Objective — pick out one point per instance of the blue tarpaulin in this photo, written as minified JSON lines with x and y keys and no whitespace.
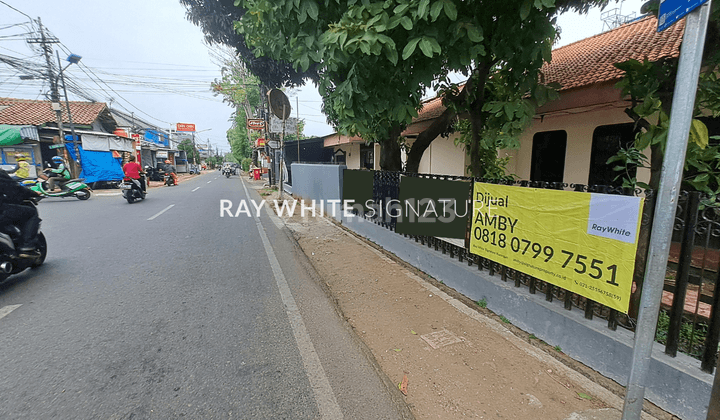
{"x":97,"y":166}
{"x":157,"y":137}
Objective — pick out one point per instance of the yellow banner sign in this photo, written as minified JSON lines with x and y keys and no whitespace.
{"x":582,"y":242}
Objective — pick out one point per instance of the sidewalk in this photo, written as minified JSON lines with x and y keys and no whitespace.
{"x":452,"y":358}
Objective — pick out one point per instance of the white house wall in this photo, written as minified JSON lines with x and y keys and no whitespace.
{"x":352,"y":155}
{"x":579,"y":128}
{"x":443,"y":157}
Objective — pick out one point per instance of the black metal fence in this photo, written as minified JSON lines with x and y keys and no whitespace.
{"x":690,"y":314}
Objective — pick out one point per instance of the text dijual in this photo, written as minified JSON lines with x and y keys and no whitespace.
{"x":316,"y":208}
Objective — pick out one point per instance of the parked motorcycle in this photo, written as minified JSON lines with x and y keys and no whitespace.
{"x":71,"y":188}
{"x":132,"y":190}
{"x":153,"y":174}
{"x":10,"y":262}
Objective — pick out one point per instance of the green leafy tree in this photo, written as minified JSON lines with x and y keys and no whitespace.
{"x":376,"y":59}
{"x":242,"y":90}
{"x":650,"y":85}
{"x":190,"y":150}
{"x":216,"y":18}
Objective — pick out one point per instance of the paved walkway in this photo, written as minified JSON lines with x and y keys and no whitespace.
{"x":450,"y":358}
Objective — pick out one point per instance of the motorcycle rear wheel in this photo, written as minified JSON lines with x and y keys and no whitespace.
{"x":83,"y":194}
{"x":42,"y":247}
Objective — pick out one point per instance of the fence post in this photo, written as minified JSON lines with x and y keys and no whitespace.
{"x":683,"y":272}
{"x":713,"y":336}
{"x":641,"y":254}
{"x":714,"y":407}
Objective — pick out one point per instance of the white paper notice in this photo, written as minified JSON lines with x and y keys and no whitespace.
{"x":614,"y":217}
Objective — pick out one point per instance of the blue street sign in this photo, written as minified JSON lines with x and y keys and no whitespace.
{"x":673,"y":10}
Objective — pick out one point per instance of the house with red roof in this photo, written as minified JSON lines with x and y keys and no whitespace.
{"x":572,"y":137}
{"x":92,"y":121}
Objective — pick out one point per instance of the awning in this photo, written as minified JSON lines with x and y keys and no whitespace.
{"x":15,"y":134}
{"x":106,"y":143}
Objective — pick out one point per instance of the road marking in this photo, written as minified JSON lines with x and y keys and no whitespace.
{"x":162,"y":211}
{"x":5,"y":310}
{"x":209,"y":181}
{"x":324,"y":396}
{"x":195,"y":189}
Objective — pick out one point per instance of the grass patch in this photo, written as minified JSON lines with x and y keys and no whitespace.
{"x":558,"y":349}
{"x":505,"y":320}
{"x":482,"y":303}
{"x":692,"y":341}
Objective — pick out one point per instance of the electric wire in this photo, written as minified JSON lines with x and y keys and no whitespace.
{"x":22,"y":13}
{"x":83,"y":67}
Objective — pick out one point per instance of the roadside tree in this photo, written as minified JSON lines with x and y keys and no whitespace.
{"x":376,"y":60}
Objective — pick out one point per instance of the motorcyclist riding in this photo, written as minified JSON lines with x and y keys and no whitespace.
{"x":13,"y":212}
{"x":59,"y":173}
{"x":169,"y":168}
{"x":132,"y":169}
{"x":22,"y":169}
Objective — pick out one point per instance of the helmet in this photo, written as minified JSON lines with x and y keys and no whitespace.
{"x":167,"y":161}
{"x":20,"y":156}
{"x":57,"y":159}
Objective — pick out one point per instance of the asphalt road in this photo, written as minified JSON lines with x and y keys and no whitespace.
{"x":162,"y":309}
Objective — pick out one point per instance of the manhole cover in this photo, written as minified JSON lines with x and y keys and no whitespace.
{"x":439,"y":339}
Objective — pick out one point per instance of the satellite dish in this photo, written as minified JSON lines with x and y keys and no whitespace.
{"x":279,"y":104}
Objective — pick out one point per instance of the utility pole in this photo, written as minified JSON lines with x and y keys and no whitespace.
{"x":46,"y":43}
{"x":297,"y":125}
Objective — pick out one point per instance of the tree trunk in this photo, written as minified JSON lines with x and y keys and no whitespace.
{"x":476,"y":85}
{"x":439,"y":126}
{"x":390,"y":156}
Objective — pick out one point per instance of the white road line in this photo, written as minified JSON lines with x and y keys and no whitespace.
{"x":5,"y":310}
{"x":162,"y":211}
{"x":209,"y":181}
{"x":195,"y":189}
{"x":324,"y":396}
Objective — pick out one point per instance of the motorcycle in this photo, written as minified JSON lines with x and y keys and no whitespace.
{"x":153,"y":174}
{"x":227,"y":172}
{"x":70,"y":188}
{"x":132,"y":190}
{"x":10,"y":261}
{"x":170,"y":179}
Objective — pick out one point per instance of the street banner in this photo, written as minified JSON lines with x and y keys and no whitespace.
{"x":184,"y":127}
{"x":432,"y":207}
{"x":358,"y":188}
{"x":582,"y":242}
{"x":255,"y":124}
{"x":277,"y":128}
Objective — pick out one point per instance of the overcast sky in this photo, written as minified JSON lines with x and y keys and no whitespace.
{"x":144,"y":57}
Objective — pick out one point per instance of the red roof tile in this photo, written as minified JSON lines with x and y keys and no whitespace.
{"x":431,"y":109}
{"x":31,"y":112}
{"x":591,"y":60}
